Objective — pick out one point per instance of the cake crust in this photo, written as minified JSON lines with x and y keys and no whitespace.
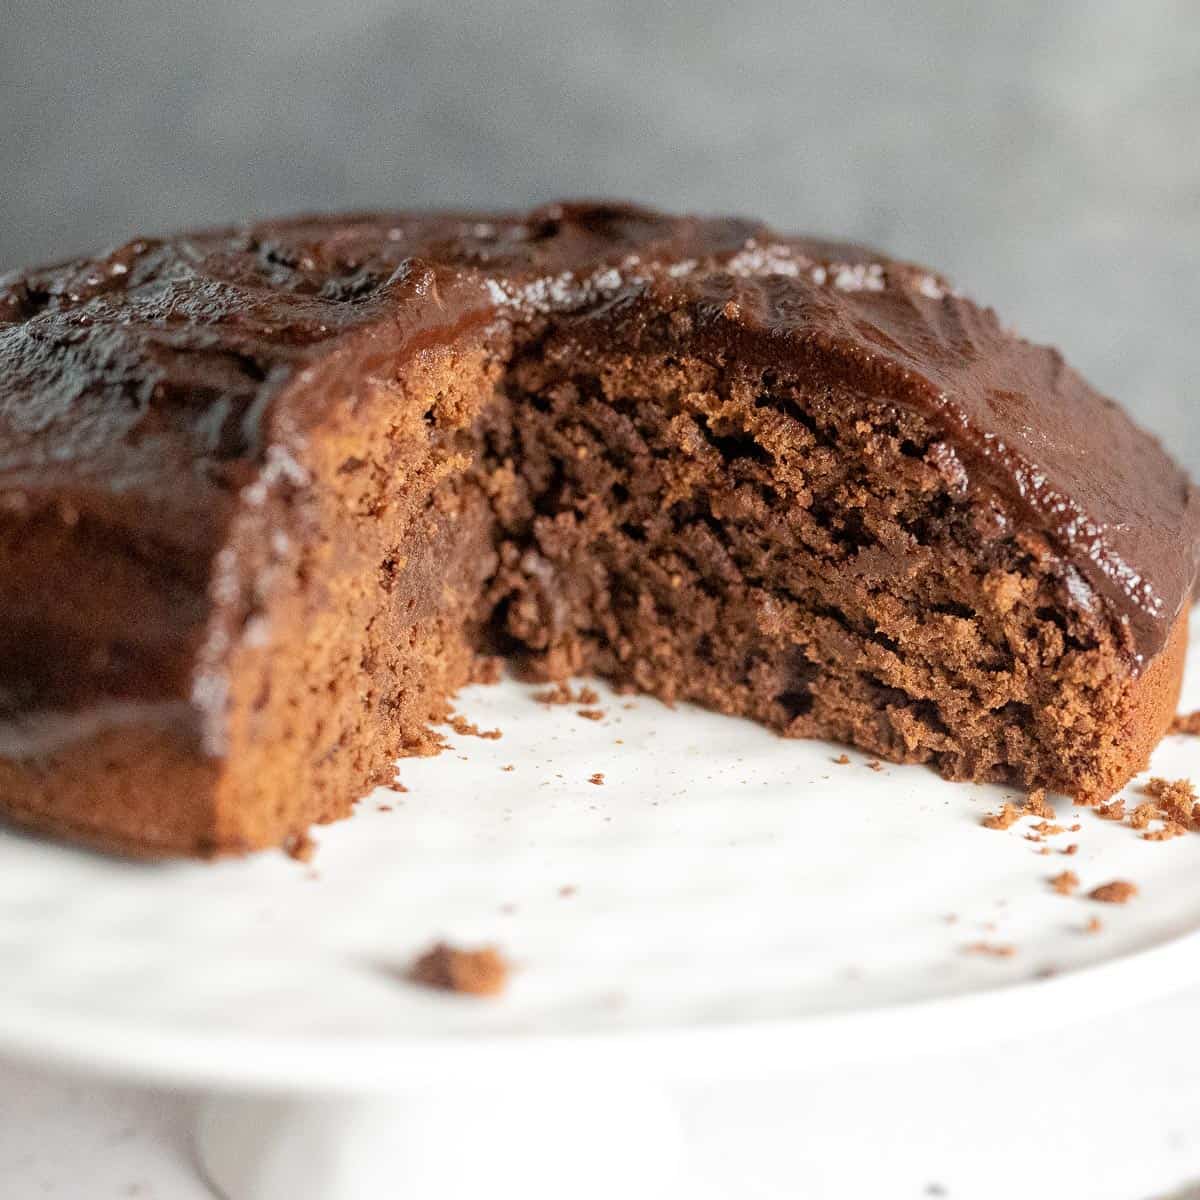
{"x":288,"y":478}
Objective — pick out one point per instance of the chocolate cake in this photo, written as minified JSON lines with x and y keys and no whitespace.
{"x":267,"y":493}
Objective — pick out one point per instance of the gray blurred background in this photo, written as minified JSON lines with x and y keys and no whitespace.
{"x":1046,"y":155}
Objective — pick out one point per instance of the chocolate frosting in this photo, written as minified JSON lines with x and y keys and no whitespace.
{"x":152,"y":387}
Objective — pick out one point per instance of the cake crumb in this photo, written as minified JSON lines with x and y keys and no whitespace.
{"x":1118,"y":891}
{"x":1035,"y":805}
{"x":465,"y":728}
{"x":1169,"y":830}
{"x":1142,"y":815}
{"x":1004,"y":818}
{"x":842,"y":760}
{"x":1046,"y":829}
{"x":874,"y":765}
{"x":1073,"y":848}
{"x":990,"y":949}
{"x":567,"y":889}
{"x":1114,"y":810}
{"x":482,"y":972}
{"x":1186,"y":723}
{"x":508,"y":767}
{"x":1177,"y":799}
{"x":1094,"y":925}
{"x":383,"y":808}
{"x":591,"y":714}
{"x":301,"y":847}
{"x":597,"y":777}
{"x":1065,"y":882}
{"x":563,"y":693}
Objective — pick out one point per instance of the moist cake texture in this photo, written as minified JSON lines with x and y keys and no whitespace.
{"x":267,"y":494}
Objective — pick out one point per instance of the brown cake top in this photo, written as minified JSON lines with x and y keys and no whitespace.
{"x":149,"y":385}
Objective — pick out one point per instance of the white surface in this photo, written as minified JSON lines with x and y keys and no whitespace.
{"x":726,"y":908}
{"x":741,"y":905}
{"x":1102,"y":1110}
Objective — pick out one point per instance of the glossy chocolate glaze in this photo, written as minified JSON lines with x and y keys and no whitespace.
{"x":157,"y":390}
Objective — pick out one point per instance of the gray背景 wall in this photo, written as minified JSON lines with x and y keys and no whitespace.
{"x":1045,"y":155}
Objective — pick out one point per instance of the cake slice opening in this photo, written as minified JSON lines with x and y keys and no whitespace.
{"x":766,"y":545}
{"x":795,"y":553}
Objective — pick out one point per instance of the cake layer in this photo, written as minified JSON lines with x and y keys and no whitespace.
{"x":289,"y":480}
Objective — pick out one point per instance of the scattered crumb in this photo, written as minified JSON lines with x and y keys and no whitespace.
{"x":1165,"y":788}
{"x":474,"y":972}
{"x":1186,"y":723}
{"x":1142,"y":815}
{"x":301,"y":847}
{"x":1094,"y":925}
{"x":597,"y":778}
{"x":990,"y":949}
{"x":383,"y":808}
{"x":508,"y":767}
{"x":562,"y":693}
{"x":1046,"y":829}
{"x":466,"y":728}
{"x":1045,"y":850}
{"x":874,"y":765}
{"x":1119,"y":891}
{"x":1177,"y":800}
{"x":397,"y":787}
{"x":1065,"y":882}
{"x":1169,"y":830}
{"x":1006,"y":817}
{"x":1073,"y":848}
{"x":842,"y":760}
{"x":1114,"y":810}
{"x":567,"y":889}
{"x":1035,"y":805}
{"x":1074,"y":828}
{"x":591,"y":714}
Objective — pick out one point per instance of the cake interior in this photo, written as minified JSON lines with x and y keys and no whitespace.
{"x":762,"y":544}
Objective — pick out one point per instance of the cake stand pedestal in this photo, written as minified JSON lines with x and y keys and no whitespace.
{"x":600,"y":1140}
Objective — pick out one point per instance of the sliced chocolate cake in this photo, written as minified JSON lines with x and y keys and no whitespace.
{"x":267,"y":493}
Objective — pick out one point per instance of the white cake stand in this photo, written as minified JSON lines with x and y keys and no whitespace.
{"x":725,"y":904}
